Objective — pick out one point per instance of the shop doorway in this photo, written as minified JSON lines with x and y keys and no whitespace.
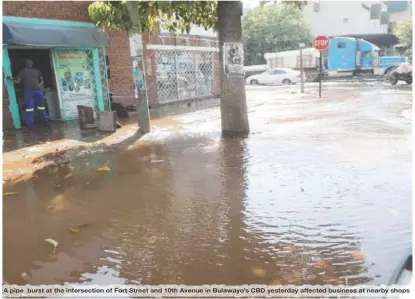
{"x":42,"y":60}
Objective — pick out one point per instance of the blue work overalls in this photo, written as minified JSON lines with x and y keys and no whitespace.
{"x":32,"y":97}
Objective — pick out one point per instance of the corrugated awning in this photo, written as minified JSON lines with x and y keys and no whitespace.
{"x":23,"y":33}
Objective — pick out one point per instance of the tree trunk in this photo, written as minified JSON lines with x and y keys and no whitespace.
{"x":142,"y":105}
{"x":233,"y":106}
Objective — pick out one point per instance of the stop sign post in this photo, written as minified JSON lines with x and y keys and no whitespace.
{"x":321,"y":43}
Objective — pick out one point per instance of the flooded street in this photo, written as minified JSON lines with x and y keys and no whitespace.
{"x":319,"y":193}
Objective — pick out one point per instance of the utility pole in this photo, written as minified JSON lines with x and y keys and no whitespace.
{"x":276,"y":60}
{"x":302,"y":45}
{"x":321,"y":43}
{"x":320,"y":73}
{"x":233,"y":106}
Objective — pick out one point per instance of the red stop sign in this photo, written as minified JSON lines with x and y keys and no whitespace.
{"x":321,"y":43}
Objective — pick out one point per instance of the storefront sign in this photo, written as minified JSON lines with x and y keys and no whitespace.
{"x":75,"y":78}
{"x":233,"y":59}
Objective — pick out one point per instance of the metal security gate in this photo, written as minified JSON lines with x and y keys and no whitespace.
{"x":183,"y":75}
{"x":103,"y":68}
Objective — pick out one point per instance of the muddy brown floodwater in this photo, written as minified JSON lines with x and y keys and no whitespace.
{"x":319,"y":193}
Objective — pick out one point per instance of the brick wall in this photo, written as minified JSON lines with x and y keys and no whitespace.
{"x":121,"y":69}
{"x":121,"y":83}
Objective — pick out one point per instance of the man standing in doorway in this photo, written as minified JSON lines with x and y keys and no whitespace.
{"x":33,"y":92}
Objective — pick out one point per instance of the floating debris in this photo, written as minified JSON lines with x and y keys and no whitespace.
{"x":9,"y":193}
{"x":25,"y":276}
{"x":68,"y":176}
{"x":84,"y":225}
{"x":53,"y":243}
{"x":73,"y":229}
{"x":157,"y":161}
{"x":104,"y":168}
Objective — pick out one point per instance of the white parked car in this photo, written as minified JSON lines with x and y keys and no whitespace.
{"x":275,"y":76}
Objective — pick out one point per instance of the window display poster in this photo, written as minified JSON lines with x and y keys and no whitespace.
{"x":233,"y":58}
{"x":75,"y":77}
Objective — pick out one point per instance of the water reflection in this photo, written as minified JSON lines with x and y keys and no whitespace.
{"x":193,"y":211}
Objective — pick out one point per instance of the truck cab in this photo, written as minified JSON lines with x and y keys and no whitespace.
{"x":348,"y":54}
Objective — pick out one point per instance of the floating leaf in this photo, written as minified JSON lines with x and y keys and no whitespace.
{"x":104,"y":168}
{"x":73,"y":229}
{"x":9,"y":193}
{"x":53,"y":243}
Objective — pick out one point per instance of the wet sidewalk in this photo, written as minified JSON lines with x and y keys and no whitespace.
{"x":319,"y":193}
{"x":25,"y":150}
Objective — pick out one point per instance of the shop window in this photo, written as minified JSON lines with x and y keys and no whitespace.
{"x":375,"y":11}
{"x":366,"y":54}
{"x":341,"y":45}
{"x":384,"y":18}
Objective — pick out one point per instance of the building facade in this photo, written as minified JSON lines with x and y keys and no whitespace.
{"x":81,"y":64}
{"x":337,"y":18}
{"x":369,"y":20}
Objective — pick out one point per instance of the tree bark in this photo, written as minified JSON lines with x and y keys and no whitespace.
{"x":233,"y":105}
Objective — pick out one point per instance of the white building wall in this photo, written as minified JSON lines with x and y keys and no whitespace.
{"x":341,"y":18}
{"x":197,"y":30}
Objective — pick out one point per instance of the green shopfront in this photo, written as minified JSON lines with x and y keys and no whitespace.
{"x":71,"y":57}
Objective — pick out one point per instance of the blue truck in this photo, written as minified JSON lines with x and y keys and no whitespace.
{"x":344,"y":55}
{"x":347,"y":54}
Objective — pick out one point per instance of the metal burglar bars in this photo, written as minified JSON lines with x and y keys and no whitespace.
{"x":103,"y":67}
{"x":184,"y":74}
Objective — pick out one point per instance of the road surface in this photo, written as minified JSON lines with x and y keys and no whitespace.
{"x":319,"y":193}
